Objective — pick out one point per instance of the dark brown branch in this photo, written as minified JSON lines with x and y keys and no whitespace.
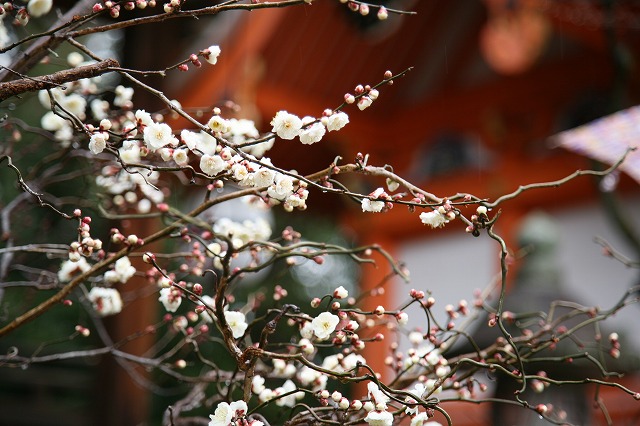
{"x":31,"y":84}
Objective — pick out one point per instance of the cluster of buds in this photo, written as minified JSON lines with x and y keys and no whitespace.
{"x":338,"y":401}
{"x":462,"y":309}
{"x":85,"y":246}
{"x":291,"y":235}
{"x":114,"y":7}
{"x":129,"y":240}
{"x":615,"y":345}
{"x":365,"y":96}
{"x":83,"y":331}
{"x":539,"y":385}
{"x":478,"y":221}
{"x":363,"y":9}
{"x":377,"y":201}
{"x":279,"y":292}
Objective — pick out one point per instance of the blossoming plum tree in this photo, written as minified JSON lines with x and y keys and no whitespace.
{"x":131,"y":158}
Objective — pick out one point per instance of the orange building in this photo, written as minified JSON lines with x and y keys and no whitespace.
{"x":491,"y":81}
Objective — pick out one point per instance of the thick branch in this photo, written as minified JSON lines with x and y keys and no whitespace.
{"x":31,"y":84}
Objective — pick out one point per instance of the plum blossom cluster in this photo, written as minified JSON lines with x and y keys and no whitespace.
{"x":364,"y":8}
{"x":234,"y":413}
{"x":105,"y":301}
{"x":131,"y":188}
{"x":114,"y":7}
{"x":376,"y":202}
{"x":440,"y":216}
{"x":308,"y":129}
{"x":241,"y":233}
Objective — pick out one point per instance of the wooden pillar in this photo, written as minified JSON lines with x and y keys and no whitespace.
{"x":127,"y":400}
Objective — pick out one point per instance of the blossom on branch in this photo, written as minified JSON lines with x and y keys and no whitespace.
{"x":374,"y":206}
{"x":434,"y":219}
{"x":337,"y":121}
{"x":312,"y":133}
{"x":69,"y":269}
{"x":121,"y":273}
{"x":105,"y":301}
{"x":324,"y":324}
{"x":237,"y":323}
{"x":98,"y":142}
{"x":211,"y":54}
{"x":158,"y":135}
{"x":171,"y":298}
{"x":379,"y":418}
{"x":226,"y":412}
{"x":286,"y":125}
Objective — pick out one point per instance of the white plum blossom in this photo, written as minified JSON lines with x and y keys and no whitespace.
{"x":237,"y":323}
{"x":44,"y":98}
{"x":306,"y":331}
{"x":180,"y":157}
{"x":308,"y":376}
{"x":374,"y":206}
{"x":98,"y":142}
{"x":210,"y":303}
{"x":245,"y":231}
{"x":263,"y":177}
{"x":281,"y":188}
{"x":69,"y":269}
{"x":189,"y":138}
{"x":122,"y":272}
{"x":171,"y":298}
{"x":123,"y":96}
{"x":206,"y":143}
{"x":337,"y":121}
{"x":379,"y":418}
{"x":239,"y":171}
{"x":52,"y":122}
{"x":340,"y":293}
{"x":364,"y":102}
{"x":203,"y":142}
{"x":158,"y":135}
{"x":286,"y":125}
{"x":143,"y":117}
{"x":419,"y":389}
{"x":422,"y":419}
{"x":350,"y":361}
{"x":313,"y":133}
{"x":74,"y":59}
{"x":379,"y":397}
{"x":225,"y":413}
{"x":403,"y":318}
{"x":283,"y":368}
{"x":105,"y":301}
{"x":211,"y":54}
{"x":99,"y":108}
{"x":289,"y":400}
{"x":75,"y":104}
{"x":212,"y":164}
{"x":257,"y":384}
{"x":218,"y":124}
{"x":166,"y":153}
{"x":324,"y":324}
{"x":144,"y":206}
{"x":434,"y":219}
